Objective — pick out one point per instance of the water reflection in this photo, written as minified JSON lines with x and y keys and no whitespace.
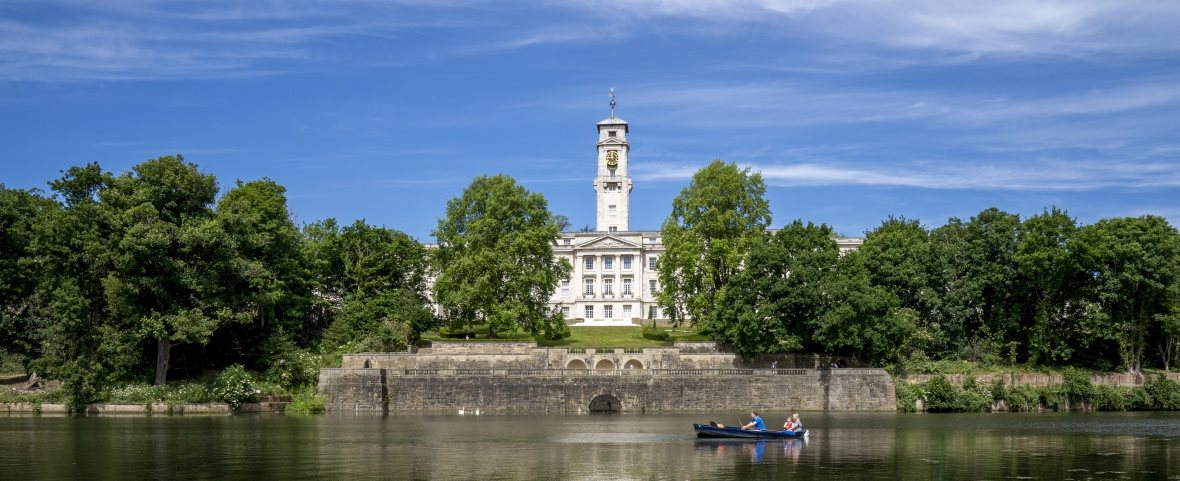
{"x":841,"y":446}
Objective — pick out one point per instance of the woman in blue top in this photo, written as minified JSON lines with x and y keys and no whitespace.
{"x":756,"y":422}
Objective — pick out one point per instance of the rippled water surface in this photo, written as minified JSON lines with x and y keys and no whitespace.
{"x":657,"y":447}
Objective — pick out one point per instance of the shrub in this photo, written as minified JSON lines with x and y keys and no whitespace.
{"x":1022,"y":399}
{"x":1110,"y":398}
{"x":557,"y":330}
{"x":941,"y":395}
{"x":656,"y":334}
{"x":974,"y":397}
{"x":907,"y":396}
{"x":1077,"y":386}
{"x":235,"y":386}
{"x":307,"y":401}
{"x":295,"y":368}
{"x":1164,"y":393}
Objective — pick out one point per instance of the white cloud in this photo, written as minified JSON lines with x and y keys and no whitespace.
{"x":1049,"y":175}
{"x":1065,"y":27}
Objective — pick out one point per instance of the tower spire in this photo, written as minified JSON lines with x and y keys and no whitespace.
{"x":612,"y":102}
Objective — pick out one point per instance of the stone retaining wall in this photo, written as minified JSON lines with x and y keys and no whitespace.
{"x":572,"y":391}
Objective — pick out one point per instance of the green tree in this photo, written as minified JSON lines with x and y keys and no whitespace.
{"x":78,"y":344}
{"x":714,"y":224}
{"x":378,"y":276}
{"x":20,"y":214}
{"x":169,"y":256}
{"x":1049,"y":287}
{"x":897,"y":256}
{"x":771,"y":305}
{"x":495,"y":261}
{"x":1169,"y":335}
{"x":1134,"y":263}
{"x":266,"y":285}
{"x":973,"y":271}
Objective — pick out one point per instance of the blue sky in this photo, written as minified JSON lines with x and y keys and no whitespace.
{"x":852,"y":110}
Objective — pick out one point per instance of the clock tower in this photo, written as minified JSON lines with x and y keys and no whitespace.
{"x":612,"y":185}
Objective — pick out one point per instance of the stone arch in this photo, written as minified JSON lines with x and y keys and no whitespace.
{"x":368,"y":363}
{"x":633,"y":364}
{"x":576,"y":364}
{"x":604,"y":364}
{"x":605,"y":403}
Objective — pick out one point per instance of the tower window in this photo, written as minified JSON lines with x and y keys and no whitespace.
{"x":612,"y":229}
{"x":611,"y":133}
{"x":611,"y":210}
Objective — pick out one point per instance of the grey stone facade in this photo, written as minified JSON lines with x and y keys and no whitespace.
{"x":523,"y":378}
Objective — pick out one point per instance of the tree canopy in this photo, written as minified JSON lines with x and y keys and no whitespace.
{"x":714,"y":224}
{"x":494,"y":261}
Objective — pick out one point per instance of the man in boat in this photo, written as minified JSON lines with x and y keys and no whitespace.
{"x":756,"y":422}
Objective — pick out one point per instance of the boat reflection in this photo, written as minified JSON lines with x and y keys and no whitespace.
{"x":755,"y":451}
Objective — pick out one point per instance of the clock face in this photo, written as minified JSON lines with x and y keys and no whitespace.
{"x":612,"y":158}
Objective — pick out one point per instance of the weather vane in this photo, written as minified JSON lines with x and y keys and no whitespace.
{"x":612,"y":102}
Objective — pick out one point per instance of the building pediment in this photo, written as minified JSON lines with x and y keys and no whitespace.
{"x":609,"y":241}
{"x":613,"y":141}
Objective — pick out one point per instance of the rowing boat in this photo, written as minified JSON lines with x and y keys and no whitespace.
{"x":710,"y":431}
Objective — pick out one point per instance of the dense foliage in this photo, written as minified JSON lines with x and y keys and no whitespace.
{"x":991,"y":290}
{"x":495,"y":261}
{"x":114,"y":280}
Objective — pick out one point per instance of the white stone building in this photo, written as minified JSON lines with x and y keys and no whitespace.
{"x":614,"y":280}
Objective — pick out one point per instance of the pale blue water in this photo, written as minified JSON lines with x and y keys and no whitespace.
{"x":649,"y":447}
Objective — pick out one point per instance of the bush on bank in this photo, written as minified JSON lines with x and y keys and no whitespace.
{"x":1076,"y":393}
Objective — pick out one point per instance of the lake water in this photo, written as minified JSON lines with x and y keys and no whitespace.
{"x":615,"y":447}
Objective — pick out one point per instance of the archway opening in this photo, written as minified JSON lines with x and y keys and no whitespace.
{"x":604,"y":364}
{"x":605,"y":403}
{"x":633,"y":364}
{"x":576,"y":364}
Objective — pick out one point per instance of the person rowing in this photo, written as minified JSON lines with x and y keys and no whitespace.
{"x":755,"y":422}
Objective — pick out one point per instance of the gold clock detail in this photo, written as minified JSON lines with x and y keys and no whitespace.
{"x":612,"y":159}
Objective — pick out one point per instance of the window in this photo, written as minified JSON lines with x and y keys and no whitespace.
{"x":627,"y":286}
{"x":652,"y":311}
{"x":626,"y":311}
{"x":611,"y":211}
{"x":608,"y":263}
{"x":589,"y":262}
{"x":652,"y":262}
{"x":651,"y":286}
{"x":626,"y":263}
{"x":565,"y":288}
{"x":611,"y":133}
{"x":613,"y":229}
{"x":567,"y":241}
{"x":589,"y":291}
{"x":608,"y":311}
{"x":608,"y":287}
{"x":565,"y":312}
{"x":589,"y":312}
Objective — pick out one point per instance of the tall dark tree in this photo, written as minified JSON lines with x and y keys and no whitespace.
{"x":169,"y":256}
{"x":714,"y":224}
{"x":973,"y":272}
{"x":266,"y":285}
{"x":1049,"y":286}
{"x":78,"y":344}
{"x":378,"y":276}
{"x":1135,"y":264}
{"x":20,"y":214}
{"x":494,"y":261}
